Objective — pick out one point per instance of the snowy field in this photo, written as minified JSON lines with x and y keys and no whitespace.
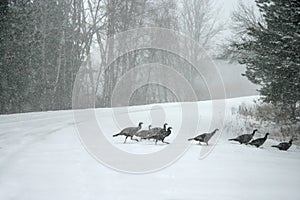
{"x":41,"y":157}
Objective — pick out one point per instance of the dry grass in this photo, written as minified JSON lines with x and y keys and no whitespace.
{"x":266,"y":118}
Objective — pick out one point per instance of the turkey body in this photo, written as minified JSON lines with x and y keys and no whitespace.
{"x":129,"y":132}
{"x":245,"y":138}
{"x":284,"y":146}
{"x":260,"y":141}
{"x":205,"y":137}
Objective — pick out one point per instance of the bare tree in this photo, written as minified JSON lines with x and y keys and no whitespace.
{"x":243,"y":18}
{"x":200,"y":21}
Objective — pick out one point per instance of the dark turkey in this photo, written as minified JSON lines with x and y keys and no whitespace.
{"x":260,"y":141}
{"x":245,"y":138}
{"x":161,"y":135}
{"x":205,"y":137}
{"x":143,"y":133}
{"x":129,"y":132}
{"x":153,"y":131}
{"x":284,"y":146}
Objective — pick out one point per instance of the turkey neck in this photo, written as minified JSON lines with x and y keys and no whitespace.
{"x":253,"y":132}
{"x":214,"y":132}
{"x":266,"y":136}
{"x":168,"y":132}
{"x":139,"y":127}
{"x":165,"y":127}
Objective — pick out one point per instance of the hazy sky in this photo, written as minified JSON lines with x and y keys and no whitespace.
{"x":227,"y":6}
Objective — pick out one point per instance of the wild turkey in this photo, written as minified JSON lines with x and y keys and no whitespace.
{"x":153,"y":131}
{"x":260,"y":141}
{"x":284,"y":146}
{"x":245,"y":138}
{"x":161,"y":135}
{"x":129,"y":132}
{"x":205,"y":137}
{"x":156,"y":129}
{"x":143,"y":133}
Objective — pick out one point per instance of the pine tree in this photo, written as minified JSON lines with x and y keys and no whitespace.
{"x":3,"y":25}
{"x":271,"y":54}
{"x":42,"y":46}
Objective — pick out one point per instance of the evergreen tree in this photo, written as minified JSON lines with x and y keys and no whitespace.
{"x":3,"y":18}
{"x":271,"y":54}
{"x":42,"y":45}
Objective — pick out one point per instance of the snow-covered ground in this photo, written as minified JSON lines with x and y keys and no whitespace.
{"x":41,"y":157}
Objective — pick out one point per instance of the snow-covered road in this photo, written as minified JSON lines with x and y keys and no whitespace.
{"x":41,"y":157}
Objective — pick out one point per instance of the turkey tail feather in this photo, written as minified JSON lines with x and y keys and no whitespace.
{"x":116,"y":135}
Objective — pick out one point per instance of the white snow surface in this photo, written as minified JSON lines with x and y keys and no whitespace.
{"x":41,"y":157}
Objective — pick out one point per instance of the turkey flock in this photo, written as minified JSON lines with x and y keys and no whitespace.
{"x":246,"y":139}
{"x":157,"y":133}
{"x":160,"y":133}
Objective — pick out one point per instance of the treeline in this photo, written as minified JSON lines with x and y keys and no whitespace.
{"x":43,"y":44}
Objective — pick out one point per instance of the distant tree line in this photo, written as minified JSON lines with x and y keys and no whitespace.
{"x":43,"y":44}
